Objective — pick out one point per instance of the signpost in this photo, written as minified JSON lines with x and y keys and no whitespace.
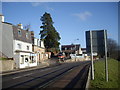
{"x":96,"y":42}
{"x":106,"y":66}
{"x":92,"y":66}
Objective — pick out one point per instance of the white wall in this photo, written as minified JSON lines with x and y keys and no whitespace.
{"x":0,"y":38}
{"x":36,"y":41}
{"x":80,"y":51}
{"x":1,"y":18}
{"x":7,"y":40}
{"x":42,"y":44}
{"x":23,"y":45}
{"x":16,"y":59}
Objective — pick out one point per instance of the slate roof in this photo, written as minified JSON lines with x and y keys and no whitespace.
{"x":22,"y":37}
{"x":73,"y":45}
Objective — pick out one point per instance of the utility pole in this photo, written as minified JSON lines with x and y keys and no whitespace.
{"x":106,"y":66}
{"x":92,"y":66}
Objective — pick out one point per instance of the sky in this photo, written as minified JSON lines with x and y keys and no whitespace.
{"x":71,"y":19}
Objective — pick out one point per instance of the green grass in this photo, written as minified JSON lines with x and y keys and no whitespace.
{"x":100,"y":81}
{"x":1,"y":58}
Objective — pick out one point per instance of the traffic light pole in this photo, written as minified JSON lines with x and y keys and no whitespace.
{"x":92,"y":66}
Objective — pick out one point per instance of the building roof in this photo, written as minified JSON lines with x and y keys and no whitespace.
{"x":7,"y":23}
{"x":72,"y":45}
{"x":95,"y":30}
{"x":1,"y":15}
{"x":83,"y":48}
{"x":22,"y":37}
{"x":77,"y":46}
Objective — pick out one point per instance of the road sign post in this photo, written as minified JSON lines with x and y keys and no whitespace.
{"x":106,"y":66}
{"x":92,"y":66}
{"x":96,"y":42}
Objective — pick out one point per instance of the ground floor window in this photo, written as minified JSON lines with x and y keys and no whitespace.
{"x":22,"y":59}
{"x":32,"y":59}
{"x":26,"y":59}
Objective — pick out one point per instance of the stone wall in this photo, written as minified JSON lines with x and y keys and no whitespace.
{"x":6,"y":65}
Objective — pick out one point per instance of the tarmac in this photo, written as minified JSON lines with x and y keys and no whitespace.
{"x":45,"y":64}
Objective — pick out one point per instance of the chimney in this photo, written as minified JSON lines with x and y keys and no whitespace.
{"x":20,"y":26}
{"x":32,"y":37}
{"x":1,"y":18}
{"x":32,"y":33}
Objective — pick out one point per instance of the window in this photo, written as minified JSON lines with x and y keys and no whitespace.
{"x":27,"y":47}
{"x":19,"y":32}
{"x":32,"y":59}
{"x":27,"y":35}
{"x":22,"y":59}
{"x":19,"y":46}
{"x":26,"y":59}
{"x":65,"y":48}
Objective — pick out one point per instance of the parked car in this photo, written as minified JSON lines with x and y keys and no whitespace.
{"x":61,"y":56}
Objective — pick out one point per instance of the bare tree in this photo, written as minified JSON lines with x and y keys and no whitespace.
{"x":27,"y":27}
{"x":112,"y":48}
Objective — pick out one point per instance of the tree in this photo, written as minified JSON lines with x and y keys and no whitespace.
{"x":112,"y":48}
{"x":48,"y":33}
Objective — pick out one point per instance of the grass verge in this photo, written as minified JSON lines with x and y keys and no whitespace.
{"x":113,"y":75}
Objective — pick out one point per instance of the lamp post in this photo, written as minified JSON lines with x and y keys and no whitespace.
{"x":76,"y":48}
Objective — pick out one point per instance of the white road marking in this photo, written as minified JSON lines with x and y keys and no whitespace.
{"x":22,"y":76}
{"x":46,"y":69}
{"x":17,"y":77}
{"x":27,"y":74}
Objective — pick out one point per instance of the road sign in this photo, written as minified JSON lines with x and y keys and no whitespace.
{"x":96,"y":42}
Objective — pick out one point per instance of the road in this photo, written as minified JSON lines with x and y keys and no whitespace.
{"x":66,"y":75}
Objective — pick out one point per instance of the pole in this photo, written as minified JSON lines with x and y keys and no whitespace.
{"x":75,"y":52}
{"x":92,"y":66}
{"x":106,"y":66}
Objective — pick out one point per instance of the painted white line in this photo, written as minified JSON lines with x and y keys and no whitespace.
{"x":17,"y":77}
{"x":28,"y":74}
{"x":46,"y":69}
{"x":22,"y":76}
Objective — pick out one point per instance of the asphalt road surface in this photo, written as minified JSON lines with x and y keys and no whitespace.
{"x":66,"y":75}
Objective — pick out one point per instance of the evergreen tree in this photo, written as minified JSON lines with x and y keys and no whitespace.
{"x":48,"y":33}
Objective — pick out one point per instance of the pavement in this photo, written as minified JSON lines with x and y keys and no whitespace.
{"x":44,"y":64}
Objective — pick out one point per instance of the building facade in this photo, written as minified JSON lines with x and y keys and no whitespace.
{"x":39,"y":49}
{"x":17,"y":44}
{"x":22,"y":48}
{"x":71,"y":49}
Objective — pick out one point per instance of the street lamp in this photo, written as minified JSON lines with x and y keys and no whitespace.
{"x":76,"y":48}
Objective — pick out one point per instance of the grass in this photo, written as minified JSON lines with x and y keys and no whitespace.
{"x":113,"y":75}
{"x":1,"y":58}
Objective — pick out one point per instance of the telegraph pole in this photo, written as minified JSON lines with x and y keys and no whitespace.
{"x":106,"y":65}
{"x":92,"y":66}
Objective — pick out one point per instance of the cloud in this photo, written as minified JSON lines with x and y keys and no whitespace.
{"x":83,"y":15}
{"x":49,"y":8}
{"x":35,"y":4}
{"x":42,"y":4}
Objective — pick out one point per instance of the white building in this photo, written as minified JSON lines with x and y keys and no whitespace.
{"x":17,"y":44}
